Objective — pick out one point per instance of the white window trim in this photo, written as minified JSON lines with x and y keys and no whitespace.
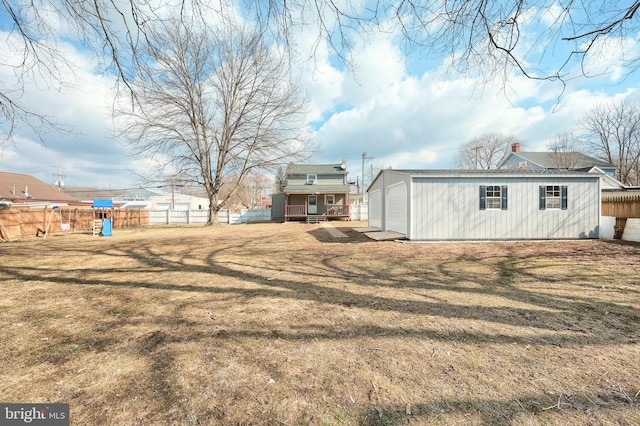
{"x":494,"y":198}
{"x":557,"y":199}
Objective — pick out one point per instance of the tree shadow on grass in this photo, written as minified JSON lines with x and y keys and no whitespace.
{"x":497,"y":411}
{"x":609,"y":323}
{"x":560,"y":320}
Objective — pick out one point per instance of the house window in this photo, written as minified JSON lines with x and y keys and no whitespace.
{"x":311,"y":179}
{"x":330,"y":199}
{"x":553,"y":197}
{"x":493,"y":197}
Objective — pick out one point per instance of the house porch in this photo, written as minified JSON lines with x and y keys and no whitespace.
{"x":310,"y":207}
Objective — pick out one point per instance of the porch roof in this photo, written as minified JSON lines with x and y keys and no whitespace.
{"x":316,"y":189}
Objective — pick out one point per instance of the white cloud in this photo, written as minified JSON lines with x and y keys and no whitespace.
{"x":376,"y":67}
{"x":420,"y":121}
{"x":88,"y":154}
{"x":404,"y":120}
{"x":611,"y":57}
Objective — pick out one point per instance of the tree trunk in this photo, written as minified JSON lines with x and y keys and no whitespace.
{"x":213,"y":214}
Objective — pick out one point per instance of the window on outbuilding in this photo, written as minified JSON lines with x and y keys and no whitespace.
{"x":553,"y":197}
{"x":493,"y":197}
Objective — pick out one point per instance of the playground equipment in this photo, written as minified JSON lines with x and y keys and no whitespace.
{"x":102,"y":218}
{"x":44,"y":232}
{"x":66,"y":227}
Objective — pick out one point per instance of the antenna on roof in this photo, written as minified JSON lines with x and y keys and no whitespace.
{"x":59,"y":182}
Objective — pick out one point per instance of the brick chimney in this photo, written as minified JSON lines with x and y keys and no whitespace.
{"x":515,"y":147}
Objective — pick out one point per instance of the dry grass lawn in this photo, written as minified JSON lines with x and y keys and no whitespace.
{"x":284,"y":324}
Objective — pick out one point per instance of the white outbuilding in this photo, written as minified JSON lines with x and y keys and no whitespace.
{"x":438,"y":205}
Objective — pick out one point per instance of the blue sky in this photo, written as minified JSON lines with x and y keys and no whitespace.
{"x":398,"y":107}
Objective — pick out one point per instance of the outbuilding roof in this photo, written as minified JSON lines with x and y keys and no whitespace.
{"x":491,"y":173}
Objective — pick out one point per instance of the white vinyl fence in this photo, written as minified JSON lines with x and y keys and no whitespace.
{"x":186,"y":217}
{"x":359,"y":212}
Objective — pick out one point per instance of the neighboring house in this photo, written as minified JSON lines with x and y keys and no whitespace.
{"x":152,"y":198}
{"x":314,"y":192}
{"x":607,"y":182}
{"x":25,"y":190}
{"x":138,"y":198}
{"x":88,"y":194}
{"x":177,"y":201}
{"x":486,"y":204}
{"x":553,"y":161}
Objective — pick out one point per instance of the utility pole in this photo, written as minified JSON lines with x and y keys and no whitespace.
{"x":364,"y":158}
{"x":59,"y":183}
{"x":476,"y":150}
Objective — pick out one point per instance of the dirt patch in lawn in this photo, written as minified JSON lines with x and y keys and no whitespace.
{"x":288,"y":324}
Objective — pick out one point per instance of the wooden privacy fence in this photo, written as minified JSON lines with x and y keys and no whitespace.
{"x":30,"y":222}
{"x":621,"y":208}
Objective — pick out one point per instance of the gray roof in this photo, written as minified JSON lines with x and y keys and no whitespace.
{"x":550,"y":160}
{"x":493,"y":172}
{"x":317,"y":189}
{"x":324,"y":169}
{"x":489,"y":173}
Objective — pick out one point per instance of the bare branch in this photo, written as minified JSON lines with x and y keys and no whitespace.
{"x":486,"y":151}
{"x":213,"y":105}
{"x":613,"y":135}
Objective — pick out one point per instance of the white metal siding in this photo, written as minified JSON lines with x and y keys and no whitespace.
{"x":448,"y":209}
{"x":375,"y":209}
{"x":396,"y":206}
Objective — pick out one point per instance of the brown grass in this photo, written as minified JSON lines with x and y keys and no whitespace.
{"x":285,"y":324}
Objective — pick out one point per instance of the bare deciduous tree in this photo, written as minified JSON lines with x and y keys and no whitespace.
{"x":214,"y":104}
{"x":486,"y":38}
{"x":486,"y":151}
{"x":613,"y":135}
{"x":565,"y":150}
{"x":250,"y":193}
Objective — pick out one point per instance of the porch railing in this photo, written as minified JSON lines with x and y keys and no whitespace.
{"x":337,"y":210}
{"x":332,"y":210}
{"x":296,"y":210}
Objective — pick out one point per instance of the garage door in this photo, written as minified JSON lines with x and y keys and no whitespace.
{"x":375,"y":209}
{"x":397,"y":208}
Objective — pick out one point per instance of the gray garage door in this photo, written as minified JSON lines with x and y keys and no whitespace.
{"x":397,"y":208}
{"x":375,"y":209}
